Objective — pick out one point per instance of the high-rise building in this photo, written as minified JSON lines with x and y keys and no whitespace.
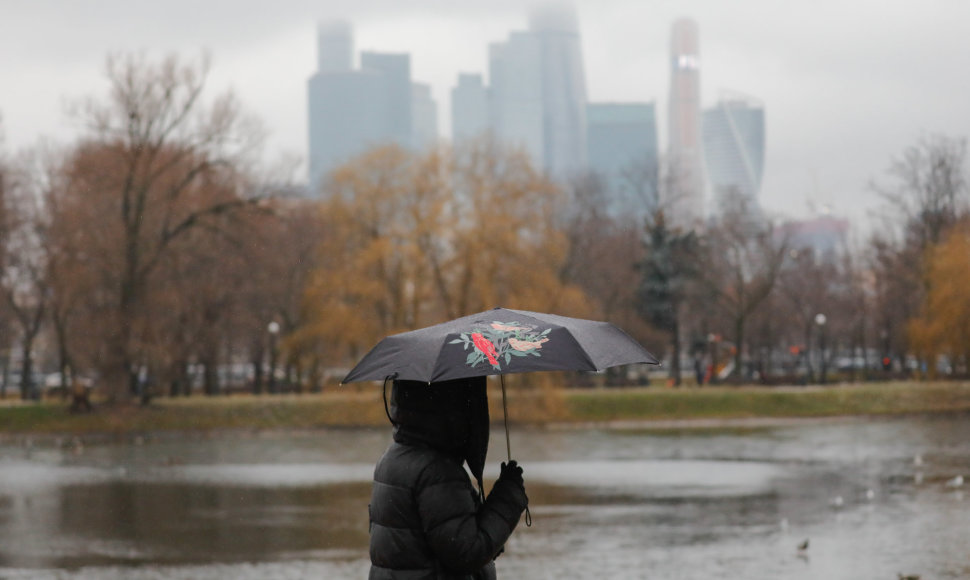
{"x":563,"y":89}
{"x":515,"y":106}
{"x":734,"y":149}
{"x":622,"y":153}
{"x":424,"y":117}
{"x":686,"y":195}
{"x":335,"y":46}
{"x":469,"y":108}
{"x":537,"y":93}
{"x":396,"y":69}
{"x":342,"y":122}
{"x":351,"y":109}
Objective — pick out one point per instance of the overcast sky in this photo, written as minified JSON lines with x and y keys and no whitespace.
{"x":846,"y":84}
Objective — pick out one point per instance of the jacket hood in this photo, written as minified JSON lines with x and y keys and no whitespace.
{"x":450,"y":416}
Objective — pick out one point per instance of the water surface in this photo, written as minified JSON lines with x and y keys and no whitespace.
{"x":870,"y":496}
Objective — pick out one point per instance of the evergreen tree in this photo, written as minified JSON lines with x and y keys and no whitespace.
{"x":666,"y":270}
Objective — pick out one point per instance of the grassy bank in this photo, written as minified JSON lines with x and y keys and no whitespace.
{"x":749,"y":402}
{"x":362,"y":406}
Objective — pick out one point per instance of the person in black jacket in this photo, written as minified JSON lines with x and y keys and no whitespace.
{"x":427,"y":520}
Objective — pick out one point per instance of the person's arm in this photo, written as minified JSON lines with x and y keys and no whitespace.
{"x":462,"y":537}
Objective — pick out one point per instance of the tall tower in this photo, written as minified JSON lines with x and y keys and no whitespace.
{"x":515,"y":107}
{"x":335,"y":46}
{"x":395,"y":68}
{"x":563,"y":89}
{"x":537,"y":97}
{"x":685,"y":198}
{"x":734,"y":149}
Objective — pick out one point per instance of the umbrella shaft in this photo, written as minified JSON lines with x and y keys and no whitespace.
{"x":505,"y":411}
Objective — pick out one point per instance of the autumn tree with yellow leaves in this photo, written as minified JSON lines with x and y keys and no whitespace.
{"x":412,"y":239}
{"x":943,"y":326}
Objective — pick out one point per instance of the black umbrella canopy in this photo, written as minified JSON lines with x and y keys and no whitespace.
{"x":499,"y":341}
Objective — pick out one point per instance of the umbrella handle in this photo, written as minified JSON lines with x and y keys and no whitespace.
{"x":508,"y":444}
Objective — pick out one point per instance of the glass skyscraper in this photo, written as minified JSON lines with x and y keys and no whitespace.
{"x":622,"y":153}
{"x":734,"y":149}
{"x":424,"y":117}
{"x":469,"y":108}
{"x":515,"y":105}
{"x":537,"y":93}
{"x":685,"y":198}
{"x":351,"y":109}
{"x":563,"y":89}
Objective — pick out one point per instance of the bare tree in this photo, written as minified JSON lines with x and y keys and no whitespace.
{"x":167,"y":164}
{"x":927,"y":187}
{"x":24,"y":280}
{"x":743,"y":256}
{"x":927,"y":192}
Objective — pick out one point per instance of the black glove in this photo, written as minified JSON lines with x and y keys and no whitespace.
{"x":512,"y":473}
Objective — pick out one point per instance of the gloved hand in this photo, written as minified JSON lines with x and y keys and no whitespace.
{"x":512,"y":473}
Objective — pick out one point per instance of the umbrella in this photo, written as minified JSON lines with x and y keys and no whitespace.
{"x":499,"y":342}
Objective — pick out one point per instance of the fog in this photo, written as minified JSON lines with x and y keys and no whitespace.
{"x":846,"y":85}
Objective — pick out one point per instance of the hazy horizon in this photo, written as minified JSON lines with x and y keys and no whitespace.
{"x":846,"y":86}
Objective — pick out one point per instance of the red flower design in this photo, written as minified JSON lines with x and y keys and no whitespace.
{"x":485,"y":346}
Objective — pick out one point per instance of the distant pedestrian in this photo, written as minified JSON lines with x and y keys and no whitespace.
{"x":427,"y":520}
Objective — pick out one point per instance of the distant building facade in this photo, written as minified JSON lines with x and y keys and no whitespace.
{"x":469,"y":108}
{"x":825,"y":235}
{"x":351,"y":110}
{"x":563,"y":89}
{"x":734,"y":149}
{"x":536,"y":97}
{"x":424,"y":117}
{"x":515,"y":105}
{"x":622,"y":153}
{"x":686,"y":196}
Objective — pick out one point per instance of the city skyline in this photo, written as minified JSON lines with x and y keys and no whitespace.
{"x":847,"y":86}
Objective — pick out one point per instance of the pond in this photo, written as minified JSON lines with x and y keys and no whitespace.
{"x":874,"y":498}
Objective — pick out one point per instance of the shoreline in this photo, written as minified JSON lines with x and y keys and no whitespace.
{"x":648,"y":409}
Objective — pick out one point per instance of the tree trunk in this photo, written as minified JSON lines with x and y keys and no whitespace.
{"x":738,"y":348}
{"x":28,"y":390}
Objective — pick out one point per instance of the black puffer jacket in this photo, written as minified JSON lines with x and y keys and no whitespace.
{"x":427,"y":520}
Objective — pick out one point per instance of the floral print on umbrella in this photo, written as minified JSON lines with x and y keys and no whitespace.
{"x":498,"y":343}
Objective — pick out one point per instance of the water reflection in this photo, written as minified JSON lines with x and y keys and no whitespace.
{"x":606,"y":503}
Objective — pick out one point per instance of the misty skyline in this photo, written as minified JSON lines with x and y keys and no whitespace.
{"x":846,"y":86}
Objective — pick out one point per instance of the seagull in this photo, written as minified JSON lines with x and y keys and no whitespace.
{"x":870,"y":495}
{"x":955,"y":482}
{"x":918,"y":460}
{"x":838,"y":502}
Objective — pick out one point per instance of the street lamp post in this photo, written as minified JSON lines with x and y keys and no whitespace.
{"x":274,"y":329}
{"x":820,"y":320}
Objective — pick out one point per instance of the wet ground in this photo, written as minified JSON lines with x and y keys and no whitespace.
{"x":873,"y":499}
